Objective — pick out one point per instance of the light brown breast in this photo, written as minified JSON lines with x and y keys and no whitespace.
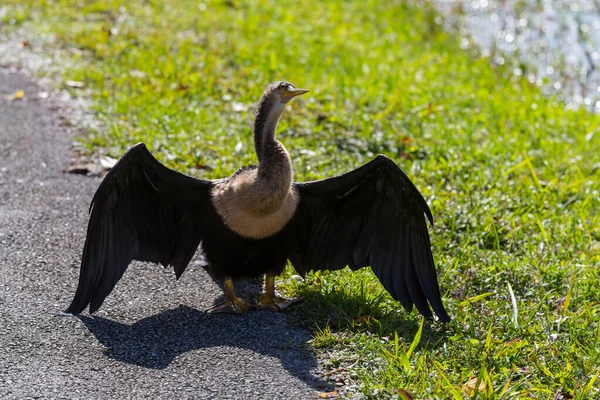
{"x":254,"y":208}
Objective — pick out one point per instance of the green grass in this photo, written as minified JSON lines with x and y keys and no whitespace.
{"x":513,"y":179}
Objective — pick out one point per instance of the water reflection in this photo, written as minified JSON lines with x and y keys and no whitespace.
{"x":558,"y":41}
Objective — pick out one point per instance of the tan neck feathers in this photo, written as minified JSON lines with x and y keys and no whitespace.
{"x":254,"y":207}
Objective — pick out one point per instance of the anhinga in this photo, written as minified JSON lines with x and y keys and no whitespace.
{"x":254,"y":221}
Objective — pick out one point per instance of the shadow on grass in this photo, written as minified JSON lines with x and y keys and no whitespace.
{"x":156,"y":341}
{"x":344,"y":306}
{"x":359,"y":311}
{"x":340,"y":305}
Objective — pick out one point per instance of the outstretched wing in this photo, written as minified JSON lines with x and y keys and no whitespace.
{"x":373,"y":216}
{"x":141,"y":211}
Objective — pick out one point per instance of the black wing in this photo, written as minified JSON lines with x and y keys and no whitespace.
{"x":141,"y":211}
{"x":373,"y":216}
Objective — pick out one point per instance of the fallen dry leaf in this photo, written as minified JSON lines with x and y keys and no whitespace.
{"x":239,"y":107}
{"x":108,"y":162}
{"x":363,"y":319}
{"x":341,"y":369}
{"x":469,"y":387}
{"x":524,"y":370}
{"x":203,"y":166}
{"x":405,"y":395}
{"x":74,"y":84}
{"x":339,"y":381}
{"x":329,"y":395}
{"x":84,"y":169}
{"x":25,"y":43}
{"x":136,"y":73}
{"x":513,"y":341}
{"x":19,"y":94}
{"x":560,"y":395}
{"x":406,"y":156}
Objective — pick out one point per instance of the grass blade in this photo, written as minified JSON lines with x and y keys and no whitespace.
{"x":514,"y":307}
{"x":416,"y":340}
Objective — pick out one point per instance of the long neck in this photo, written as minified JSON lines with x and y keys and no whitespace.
{"x":265,"y":125}
{"x":274,"y":164}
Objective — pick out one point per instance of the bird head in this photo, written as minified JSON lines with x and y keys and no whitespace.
{"x":269,"y":110}
{"x":282,"y":92}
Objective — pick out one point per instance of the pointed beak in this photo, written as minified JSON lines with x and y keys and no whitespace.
{"x":293,"y":93}
{"x":297,"y":92}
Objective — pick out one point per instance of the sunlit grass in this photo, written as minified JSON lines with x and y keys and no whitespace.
{"x":513,"y":179}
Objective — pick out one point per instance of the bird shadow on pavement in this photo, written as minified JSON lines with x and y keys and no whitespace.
{"x":156,"y":341}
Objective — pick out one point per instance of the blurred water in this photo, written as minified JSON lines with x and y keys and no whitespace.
{"x":554,"y":43}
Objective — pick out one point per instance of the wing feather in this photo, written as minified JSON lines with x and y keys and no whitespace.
{"x":141,"y":211}
{"x":397,"y":274}
{"x":373,"y":216}
{"x":413,"y":280}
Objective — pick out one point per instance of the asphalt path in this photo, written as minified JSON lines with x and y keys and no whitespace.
{"x":151,"y":339}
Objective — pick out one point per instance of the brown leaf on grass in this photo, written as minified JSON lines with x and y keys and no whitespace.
{"x":469,"y":387}
{"x":239,"y":107}
{"x":84,"y":169}
{"x":108,"y":162}
{"x":74,"y":84}
{"x":560,"y":395}
{"x":136,"y":73}
{"x":85,"y":165}
{"x":363,"y":319}
{"x":329,"y":395}
{"x":404,"y":395}
{"x":406,"y":156}
{"x":203,"y":166}
{"x":341,"y":369}
{"x":19,"y":94}
{"x":513,"y":341}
